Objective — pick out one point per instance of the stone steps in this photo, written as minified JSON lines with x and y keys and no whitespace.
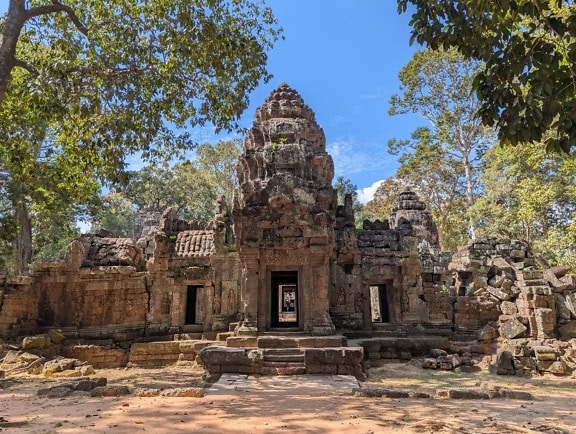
{"x":270,"y":364}
{"x":283,"y":356}
{"x":283,"y":361}
{"x":275,"y":341}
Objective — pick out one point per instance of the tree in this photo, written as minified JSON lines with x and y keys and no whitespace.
{"x":115,"y":213}
{"x":191,"y":187}
{"x":437,"y":85}
{"x":531,"y":195}
{"x":381,"y":204}
{"x":439,"y":179}
{"x":215,"y":45}
{"x":527,"y":83}
{"x":93,"y":82}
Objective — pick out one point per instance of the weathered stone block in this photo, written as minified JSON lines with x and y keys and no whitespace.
{"x":242,"y":342}
{"x":512,"y":328}
{"x":35,"y":342}
{"x":571,"y":303}
{"x":504,"y":363}
{"x":56,"y":336}
{"x":110,"y":391}
{"x":508,"y":308}
{"x":543,"y":352}
{"x":545,"y":322}
{"x":498,"y":293}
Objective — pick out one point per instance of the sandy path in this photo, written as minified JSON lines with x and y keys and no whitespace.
{"x":281,"y":408}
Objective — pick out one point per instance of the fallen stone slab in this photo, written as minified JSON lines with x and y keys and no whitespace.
{"x":184,"y":392}
{"x":147,"y":392}
{"x":461,"y":394}
{"x":110,"y":391}
{"x":512,"y":328}
{"x":380,"y":393}
{"x":475,"y":394}
{"x":515,"y":394}
{"x":65,"y":389}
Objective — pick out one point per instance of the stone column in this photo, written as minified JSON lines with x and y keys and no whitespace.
{"x":249,"y":282}
{"x":319,"y":281}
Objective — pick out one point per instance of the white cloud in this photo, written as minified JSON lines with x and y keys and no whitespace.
{"x":366,"y":194}
{"x":349,"y":158}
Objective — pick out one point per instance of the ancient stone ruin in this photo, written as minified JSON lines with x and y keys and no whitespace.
{"x":280,"y":281}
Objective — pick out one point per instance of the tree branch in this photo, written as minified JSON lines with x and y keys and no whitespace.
{"x":25,"y":65}
{"x":56,"y":7}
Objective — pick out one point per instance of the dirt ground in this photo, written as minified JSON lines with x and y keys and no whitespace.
{"x":297,"y":408}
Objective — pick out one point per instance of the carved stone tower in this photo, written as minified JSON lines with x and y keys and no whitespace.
{"x":284,"y":219}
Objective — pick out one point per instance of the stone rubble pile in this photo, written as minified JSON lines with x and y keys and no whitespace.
{"x":39,"y":355}
{"x":533,"y":310}
{"x":440,"y":359}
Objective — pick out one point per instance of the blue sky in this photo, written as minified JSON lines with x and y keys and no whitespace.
{"x":343,"y":57}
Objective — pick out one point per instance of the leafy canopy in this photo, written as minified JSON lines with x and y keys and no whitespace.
{"x":89,"y":83}
{"x":527,"y":86}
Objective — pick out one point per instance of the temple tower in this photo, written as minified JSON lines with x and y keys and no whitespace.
{"x":284,"y":219}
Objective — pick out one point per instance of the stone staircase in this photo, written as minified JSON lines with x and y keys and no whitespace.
{"x":283,"y":361}
{"x":284,"y":354}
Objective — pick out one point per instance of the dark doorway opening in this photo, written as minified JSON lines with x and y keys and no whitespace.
{"x":194,"y":305}
{"x":379,"y":303}
{"x":284,"y":301}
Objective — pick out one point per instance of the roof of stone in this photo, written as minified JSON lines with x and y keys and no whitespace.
{"x":408,"y":200}
{"x":284,"y":102}
{"x":194,"y":243}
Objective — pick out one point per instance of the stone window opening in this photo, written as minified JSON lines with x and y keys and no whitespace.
{"x":194,"y":304}
{"x":379,"y":307}
{"x":462,"y":283}
{"x":348,"y":268}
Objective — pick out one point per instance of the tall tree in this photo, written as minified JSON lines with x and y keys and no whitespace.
{"x":439,"y":179}
{"x":437,"y":85}
{"x":527,"y":82}
{"x":93,"y":82}
{"x":114,"y":213}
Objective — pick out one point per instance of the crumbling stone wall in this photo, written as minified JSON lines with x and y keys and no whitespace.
{"x":531,"y":308}
{"x":95,"y":302}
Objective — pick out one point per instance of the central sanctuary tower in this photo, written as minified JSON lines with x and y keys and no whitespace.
{"x":284,"y":220}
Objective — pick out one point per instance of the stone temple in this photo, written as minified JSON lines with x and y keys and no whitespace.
{"x":287,"y":262}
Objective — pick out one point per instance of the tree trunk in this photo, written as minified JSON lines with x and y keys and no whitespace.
{"x":469,"y":193}
{"x":24,"y":240}
{"x":13,"y":25}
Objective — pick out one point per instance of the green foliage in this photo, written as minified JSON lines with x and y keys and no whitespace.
{"x":116,"y":214}
{"x":52,"y":233}
{"x":527,"y":84}
{"x":380,"y":207}
{"x":191,"y":187}
{"x":530,"y":194}
{"x":100,"y":81}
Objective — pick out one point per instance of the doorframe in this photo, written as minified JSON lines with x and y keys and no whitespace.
{"x":268,"y":297}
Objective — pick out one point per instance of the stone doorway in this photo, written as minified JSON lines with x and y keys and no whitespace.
{"x":194,"y":304}
{"x":379,"y":307}
{"x":284,"y":307}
